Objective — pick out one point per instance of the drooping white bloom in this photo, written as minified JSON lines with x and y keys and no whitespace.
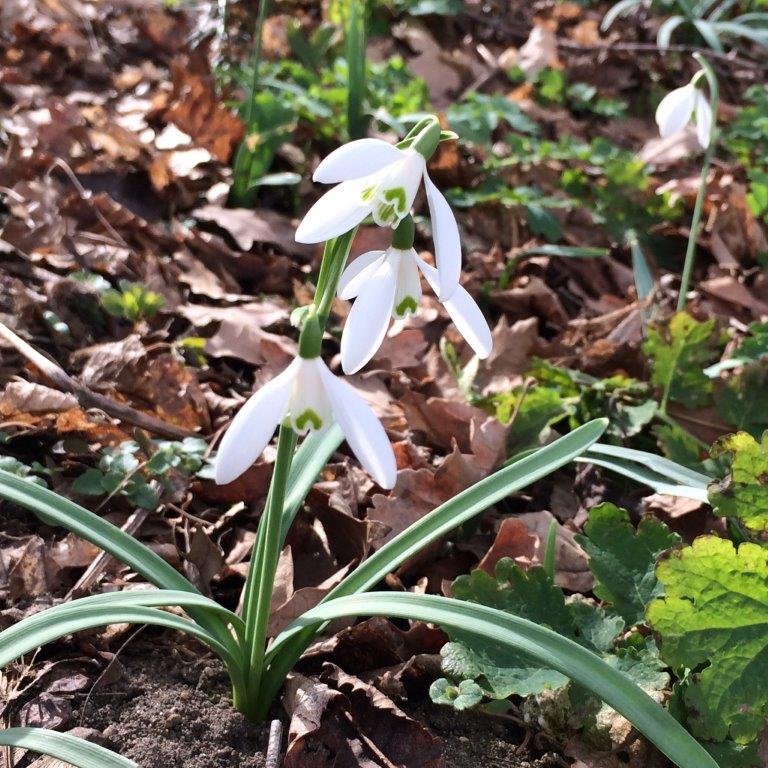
{"x":678,"y":107}
{"x":386,"y":284}
{"x":308,"y":396}
{"x":376,"y":178}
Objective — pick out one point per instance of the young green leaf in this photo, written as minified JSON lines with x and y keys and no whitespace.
{"x":465,"y":695}
{"x":679,"y":350}
{"x":622,"y":559}
{"x":715,"y":615}
{"x":743,"y":494}
{"x":743,"y":400}
{"x":531,"y":595}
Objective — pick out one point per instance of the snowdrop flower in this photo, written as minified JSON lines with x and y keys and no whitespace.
{"x":678,"y":106}
{"x":387,"y":284}
{"x":376,"y":178}
{"x":307,"y":396}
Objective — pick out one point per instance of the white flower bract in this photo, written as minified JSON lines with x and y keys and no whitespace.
{"x":307,"y":396}
{"x":678,"y":107}
{"x":376,"y":178}
{"x":386,"y":284}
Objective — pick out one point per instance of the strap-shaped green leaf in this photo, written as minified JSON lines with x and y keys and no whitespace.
{"x":62,"y":746}
{"x":644,"y":476}
{"x":311,"y":456}
{"x":98,"y":611}
{"x":539,"y":644}
{"x":283,"y":654}
{"x":663,"y":466}
{"x":56,"y":510}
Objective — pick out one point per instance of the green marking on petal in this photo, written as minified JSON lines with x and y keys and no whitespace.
{"x":406,"y":307}
{"x":308,"y":420}
{"x":396,"y":195}
{"x":385,"y":214}
{"x":368,"y":193}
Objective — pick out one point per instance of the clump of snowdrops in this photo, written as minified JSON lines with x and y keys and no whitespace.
{"x":373,"y":179}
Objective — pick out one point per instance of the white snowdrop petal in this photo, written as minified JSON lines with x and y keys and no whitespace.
{"x":408,"y":291}
{"x":396,"y":189}
{"x":445,"y":233}
{"x":363,"y":431}
{"x":368,"y":320}
{"x":470,"y":322}
{"x":356,"y":159}
{"x":465,"y":314}
{"x":704,"y":119}
{"x":253,"y":427}
{"x":357,"y":273}
{"x":675,"y":110}
{"x":336,"y":212}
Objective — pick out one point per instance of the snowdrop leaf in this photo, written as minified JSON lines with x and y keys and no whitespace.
{"x":714,"y":619}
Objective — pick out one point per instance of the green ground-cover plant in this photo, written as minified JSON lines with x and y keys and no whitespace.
{"x":706,"y":602}
{"x":141,"y":478}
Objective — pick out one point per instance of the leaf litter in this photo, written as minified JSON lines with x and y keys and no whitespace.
{"x":122,"y":264}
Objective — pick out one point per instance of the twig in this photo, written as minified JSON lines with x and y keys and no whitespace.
{"x":86,"y":198}
{"x":85,"y":397}
{"x":275,"y":746}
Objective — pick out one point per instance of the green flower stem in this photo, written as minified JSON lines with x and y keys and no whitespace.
{"x":259,"y":584}
{"x":690,"y":253}
{"x":549,"y":550}
{"x":258,"y":35}
{"x":334,"y":260}
{"x":263,"y":566}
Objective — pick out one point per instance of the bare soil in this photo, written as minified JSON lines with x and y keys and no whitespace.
{"x":167,"y":712}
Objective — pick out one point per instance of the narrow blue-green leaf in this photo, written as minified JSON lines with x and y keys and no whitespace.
{"x":62,"y":746}
{"x":432,"y":527}
{"x":56,"y":510}
{"x":145,"y":598}
{"x":539,"y":644}
{"x":621,"y":8}
{"x":66,"y":619}
{"x":645,"y":477}
{"x":308,"y":461}
{"x":709,"y":33}
{"x":567,"y":251}
{"x":663,"y":466}
{"x":664,"y":35}
{"x":465,"y":505}
{"x":642,"y":272}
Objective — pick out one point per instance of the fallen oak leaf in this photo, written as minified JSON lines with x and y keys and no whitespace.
{"x":240,"y":333}
{"x":248,"y":226}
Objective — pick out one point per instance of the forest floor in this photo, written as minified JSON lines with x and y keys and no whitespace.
{"x":160,"y":309}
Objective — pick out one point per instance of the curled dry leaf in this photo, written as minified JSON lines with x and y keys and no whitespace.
{"x":343,"y":722}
